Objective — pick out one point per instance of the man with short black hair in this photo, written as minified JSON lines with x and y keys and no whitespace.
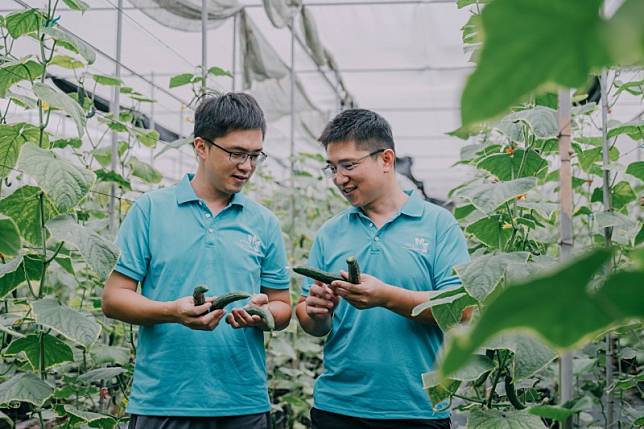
{"x":375,"y":352}
{"x":190,"y":372}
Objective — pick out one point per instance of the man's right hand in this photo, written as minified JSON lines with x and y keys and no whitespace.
{"x":321,"y":301}
{"x":197,"y":316}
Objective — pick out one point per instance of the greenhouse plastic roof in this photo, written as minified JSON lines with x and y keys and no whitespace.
{"x":403,"y":59}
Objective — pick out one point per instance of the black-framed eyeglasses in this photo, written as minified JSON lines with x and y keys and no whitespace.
{"x":331,"y":170}
{"x":240,"y":157}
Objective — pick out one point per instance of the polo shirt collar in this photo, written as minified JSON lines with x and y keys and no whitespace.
{"x":413,"y":207}
{"x":185,"y":193}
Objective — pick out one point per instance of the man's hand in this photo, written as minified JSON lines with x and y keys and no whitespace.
{"x":239,"y":318}
{"x":321,"y":301}
{"x":197,"y":316}
{"x":371,"y":292}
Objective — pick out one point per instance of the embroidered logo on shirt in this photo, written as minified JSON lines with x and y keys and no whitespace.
{"x":419,"y":245}
{"x":252,"y":243}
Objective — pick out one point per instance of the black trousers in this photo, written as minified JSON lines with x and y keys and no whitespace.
{"x":326,"y":420}
{"x":249,"y":421}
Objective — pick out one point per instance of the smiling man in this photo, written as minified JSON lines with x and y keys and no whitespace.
{"x":191,"y":372}
{"x":375,"y":352}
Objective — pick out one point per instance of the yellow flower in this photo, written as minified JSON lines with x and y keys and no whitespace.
{"x":507,"y":226}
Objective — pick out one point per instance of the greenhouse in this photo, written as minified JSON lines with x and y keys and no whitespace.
{"x":439,"y":223}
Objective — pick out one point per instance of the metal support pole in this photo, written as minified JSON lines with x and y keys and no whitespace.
{"x":152,"y":121}
{"x":204,"y":45}
{"x":235,"y":24}
{"x":608,"y":232}
{"x":565,"y":227}
{"x":115,"y":109}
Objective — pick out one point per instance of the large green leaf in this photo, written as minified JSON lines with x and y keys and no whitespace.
{"x":100,"y":254}
{"x":107,"y":80}
{"x":14,"y":72}
{"x":542,"y":122}
{"x":488,"y":196}
{"x":6,"y":419}
{"x":64,"y":183}
{"x":92,"y":419}
{"x":499,"y":419}
{"x":23,"y":206}
{"x":480,"y":276}
{"x":23,"y":22}
{"x":16,"y":271}
{"x":62,"y":101}
{"x":634,"y":130}
{"x":513,"y":52}
{"x":25,"y":387}
{"x":620,"y":195}
{"x":448,"y":314}
{"x":523,"y":307}
{"x":145,"y":171}
{"x":530,"y":354}
{"x":78,"y":327}
{"x":102,"y":354}
{"x":519,"y":164}
{"x":55,"y":350}
{"x":12,"y":138}
{"x":636,"y":169}
{"x":77,"y":5}
{"x":65,"y":36}
{"x":491,"y":231}
{"x":10,"y":242}
{"x":101,"y":374}
{"x":181,"y":79}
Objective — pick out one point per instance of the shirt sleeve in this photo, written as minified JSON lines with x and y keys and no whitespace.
{"x":133,"y":242}
{"x":451,"y":250}
{"x":316,"y":260}
{"x":274,"y":274}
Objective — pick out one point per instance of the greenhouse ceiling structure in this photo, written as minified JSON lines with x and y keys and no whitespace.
{"x":404,"y":59}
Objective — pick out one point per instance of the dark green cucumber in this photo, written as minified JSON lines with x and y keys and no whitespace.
{"x":262,"y":312}
{"x":227,"y":298}
{"x":354,"y":270}
{"x":198,"y":294}
{"x":318,"y":275}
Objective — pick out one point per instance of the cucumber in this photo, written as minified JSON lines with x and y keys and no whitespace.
{"x":354,"y":270}
{"x":227,"y":298}
{"x":198,"y":294}
{"x":318,"y":275}
{"x":262,"y":312}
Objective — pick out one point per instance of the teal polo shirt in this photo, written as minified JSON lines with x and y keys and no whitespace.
{"x":170,"y":242}
{"x":374,"y":358}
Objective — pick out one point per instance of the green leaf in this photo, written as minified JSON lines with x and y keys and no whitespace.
{"x":551,"y":412}
{"x":147,"y":138}
{"x":23,"y":206}
{"x":439,"y":390}
{"x":499,"y":419}
{"x":621,"y":194}
{"x":55,"y":350}
{"x":102,"y":354}
{"x":12,"y":137}
{"x":11,"y":276}
{"x":634,"y":130}
{"x":113,"y":177}
{"x":64,"y":183}
{"x":144,"y":171}
{"x":67,"y":62}
{"x":10,"y":242}
{"x":100,"y":254}
{"x":617,"y":301}
{"x":490,"y":231}
{"x":520,"y":164}
{"x":181,"y":79}
{"x":93,"y":419}
{"x":480,"y":276}
{"x":636,"y":169}
{"x":23,"y":22}
{"x":590,"y":157}
{"x":77,"y":5}
{"x":107,"y":80}
{"x":14,"y":72}
{"x":462,"y":3}
{"x":62,"y":143}
{"x":488,"y":196}
{"x":572,"y":31}
{"x":447,"y":306}
{"x":6,"y":419}
{"x":81,"y":328}
{"x":218,"y":71}
{"x":542,"y":122}
{"x":530,"y":354}
{"x":62,"y":101}
{"x":101,"y":374}
{"x":25,"y":387}
{"x":79,"y":44}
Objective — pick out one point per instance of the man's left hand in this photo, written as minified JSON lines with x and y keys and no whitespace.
{"x":371,"y":292}
{"x":239,"y":318}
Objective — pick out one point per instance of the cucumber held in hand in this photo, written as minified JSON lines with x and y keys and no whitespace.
{"x":198,"y":294}
{"x":262,"y":312}
{"x":354,"y":270}
{"x":227,"y":298}
{"x":318,"y":275}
